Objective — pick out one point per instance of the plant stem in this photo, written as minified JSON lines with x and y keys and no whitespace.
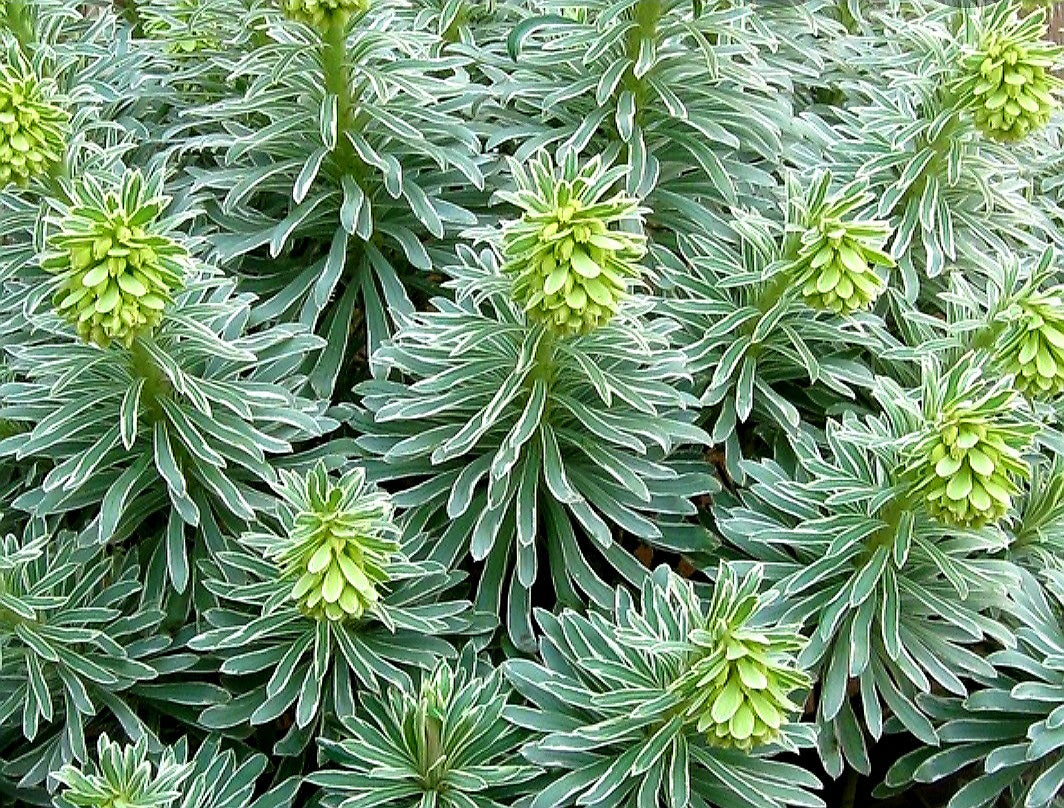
{"x":645,"y":16}
{"x":20,"y":23}
{"x":849,"y":794}
{"x":940,"y":145}
{"x":433,"y":750}
{"x":986,"y":336}
{"x":156,"y":385}
{"x":890,"y":515}
{"x":338,"y":83}
{"x":773,"y":291}
{"x":543,"y":360}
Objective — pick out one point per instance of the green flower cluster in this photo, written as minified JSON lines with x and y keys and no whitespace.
{"x":568,"y":262}
{"x":322,"y":14}
{"x":123,"y":777}
{"x":1006,"y":79}
{"x":341,"y":540}
{"x":115,"y":275}
{"x":739,"y":685}
{"x":32,"y":126}
{"x":837,"y":256}
{"x":1033,"y":350}
{"x":964,"y":466}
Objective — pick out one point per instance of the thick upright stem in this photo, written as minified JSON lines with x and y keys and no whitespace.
{"x":543,"y":360}
{"x":338,"y":83}
{"x":156,"y":385}
{"x":20,"y":23}
{"x":891,"y":516}
{"x":647,"y":14}
{"x":987,"y":336}
{"x":773,"y":291}
{"x":940,"y":145}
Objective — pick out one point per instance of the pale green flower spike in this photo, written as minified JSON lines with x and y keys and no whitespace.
{"x":123,"y":777}
{"x":569,"y":260}
{"x":341,"y":539}
{"x":838,"y":256}
{"x":115,"y":275}
{"x":738,"y":690}
{"x":1033,"y":349}
{"x":965,"y":464}
{"x":322,"y":14}
{"x":1007,"y":79}
{"x":33,"y":129}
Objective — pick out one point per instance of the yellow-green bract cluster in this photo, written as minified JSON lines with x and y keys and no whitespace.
{"x":116,"y":276}
{"x":322,"y":14}
{"x":567,"y":255}
{"x":838,"y":256}
{"x":1006,"y":80}
{"x":340,"y":541}
{"x":738,"y":688}
{"x":1034,"y":349}
{"x":964,"y":466}
{"x":32,"y":126}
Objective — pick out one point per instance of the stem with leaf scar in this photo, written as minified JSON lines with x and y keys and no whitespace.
{"x":156,"y":385}
{"x":20,"y":23}
{"x":891,"y":515}
{"x":645,"y":17}
{"x":338,"y":83}
{"x":939,"y":145}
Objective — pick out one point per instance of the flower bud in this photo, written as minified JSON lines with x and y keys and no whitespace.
{"x":340,"y":541}
{"x":1006,"y":80}
{"x":32,"y":127}
{"x":115,"y":275}
{"x":568,"y":261}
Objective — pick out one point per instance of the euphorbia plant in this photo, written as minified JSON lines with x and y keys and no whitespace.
{"x":529,"y":403}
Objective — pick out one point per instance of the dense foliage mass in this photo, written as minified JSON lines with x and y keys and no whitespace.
{"x":531,"y":404}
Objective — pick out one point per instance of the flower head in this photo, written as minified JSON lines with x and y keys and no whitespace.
{"x":1033,"y":350}
{"x":965,"y":463}
{"x":322,"y":14}
{"x":123,"y":778}
{"x":116,"y":273}
{"x":341,"y":540}
{"x":739,"y":685}
{"x":1006,"y":79}
{"x":32,"y":127}
{"x":568,"y":259}
{"x":837,"y":255}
